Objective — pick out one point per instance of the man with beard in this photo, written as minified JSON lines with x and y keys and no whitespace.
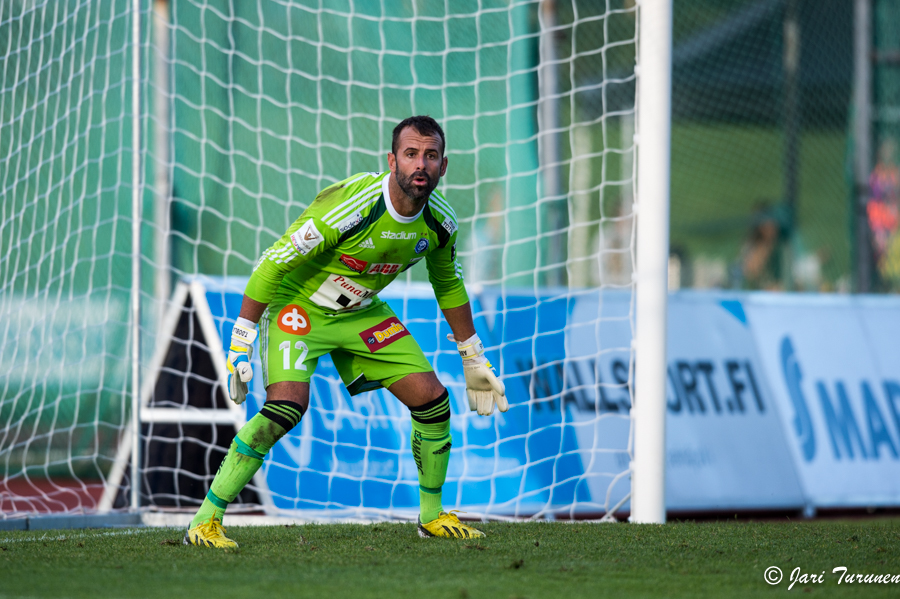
{"x":314,"y":292}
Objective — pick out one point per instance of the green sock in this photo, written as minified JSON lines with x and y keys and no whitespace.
{"x":245,"y":456}
{"x":431,"y":444}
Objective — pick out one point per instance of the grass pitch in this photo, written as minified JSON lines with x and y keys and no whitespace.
{"x":533,"y":559}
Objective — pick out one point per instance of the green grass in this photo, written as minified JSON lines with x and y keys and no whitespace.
{"x":515,"y":560}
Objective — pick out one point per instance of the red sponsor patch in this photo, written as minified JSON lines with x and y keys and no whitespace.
{"x":294,"y":320}
{"x":354,"y":264}
{"x":383,"y":334}
{"x":385,"y":268}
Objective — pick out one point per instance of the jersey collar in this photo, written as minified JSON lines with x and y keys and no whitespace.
{"x":385,"y":190}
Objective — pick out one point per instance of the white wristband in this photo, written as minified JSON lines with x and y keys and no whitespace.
{"x":470,"y":348}
{"x":244,"y":332}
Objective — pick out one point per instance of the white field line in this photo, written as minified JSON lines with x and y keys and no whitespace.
{"x":66,"y":537}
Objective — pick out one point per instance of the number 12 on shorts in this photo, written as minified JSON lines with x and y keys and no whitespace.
{"x":285,"y":348}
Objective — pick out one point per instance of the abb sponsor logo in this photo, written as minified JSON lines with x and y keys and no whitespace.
{"x":384,"y":268}
{"x":354,"y":264}
{"x":383,"y":334}
{"x":294,"y":320}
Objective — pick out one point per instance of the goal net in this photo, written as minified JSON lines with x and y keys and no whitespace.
{"x":247,"y":109}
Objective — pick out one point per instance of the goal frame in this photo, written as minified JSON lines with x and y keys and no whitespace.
{"x":651,"y":208}
{"x":651,"y":176}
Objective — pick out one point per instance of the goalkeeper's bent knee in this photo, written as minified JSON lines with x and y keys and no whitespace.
{"x":433,"y":419}
{"x":249,"y":448}
{"x":275,"y":420}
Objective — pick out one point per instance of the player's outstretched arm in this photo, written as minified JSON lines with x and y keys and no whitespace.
{"x":241,"y":349}
{"x":483,"y":387}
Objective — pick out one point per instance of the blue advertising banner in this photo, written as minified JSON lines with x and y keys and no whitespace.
{"x":562,"y":448}
{"x":724,"y":444}
{"x":833,"y":363}
{"x":725,"y":447}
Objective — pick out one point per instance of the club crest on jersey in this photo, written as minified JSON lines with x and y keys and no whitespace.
{"x":294,"y":320}
{"x":383,"y":334}
{"x":421,"y":246}
{"x":384,"y":268}
{"x":353,"y":263}
{"x":306,"y":237}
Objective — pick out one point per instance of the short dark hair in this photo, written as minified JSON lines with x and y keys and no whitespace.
{"x":424,"y":124}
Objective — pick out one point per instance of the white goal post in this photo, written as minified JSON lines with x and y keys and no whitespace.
{"x":151,"y":151}
{"x":651,"y":272}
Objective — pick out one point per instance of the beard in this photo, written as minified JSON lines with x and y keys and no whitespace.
{"x":415,"y":192}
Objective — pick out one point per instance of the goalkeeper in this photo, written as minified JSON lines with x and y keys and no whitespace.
{"x":314,"y":292}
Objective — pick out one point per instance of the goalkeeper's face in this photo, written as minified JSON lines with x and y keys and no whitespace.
{"x":419,"y":163}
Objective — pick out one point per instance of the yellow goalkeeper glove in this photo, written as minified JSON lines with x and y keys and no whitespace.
{"x":482,"y":385}
{"x":239,"y":370}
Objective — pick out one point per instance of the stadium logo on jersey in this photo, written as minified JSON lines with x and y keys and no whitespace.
{"x":383,"y":334}
{"x":350,"y":222}
{"x":421,"y":246}
{"x":306,"y":237}
{"x":384,"y":268}
{"x":449,"y":225}
{"x":367,"y":244}
{"x":354,"y":264}
{"x":294,"y":320}
{"x":401,"y":235}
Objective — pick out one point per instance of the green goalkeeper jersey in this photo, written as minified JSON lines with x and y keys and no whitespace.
{"x":351,"y":243}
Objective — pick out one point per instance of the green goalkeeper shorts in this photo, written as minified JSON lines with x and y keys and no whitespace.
{"x":370,"y":348}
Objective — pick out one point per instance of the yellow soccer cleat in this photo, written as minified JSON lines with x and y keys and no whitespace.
{"x":448,"y":525}
{"x":209,"y":534}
